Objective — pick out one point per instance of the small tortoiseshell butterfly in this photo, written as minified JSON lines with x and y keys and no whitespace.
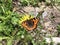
{"x":30,"y":24}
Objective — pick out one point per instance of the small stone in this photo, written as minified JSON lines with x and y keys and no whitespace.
{"x":22,"y":36}
{"x":43,"y":31}
{"x":46,"y":24}
{"x":50,"y":28}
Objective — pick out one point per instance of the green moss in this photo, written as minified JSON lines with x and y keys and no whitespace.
{"x":58,"y":44}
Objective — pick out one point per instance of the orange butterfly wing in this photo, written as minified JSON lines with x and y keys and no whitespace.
{"x":35,"y":20}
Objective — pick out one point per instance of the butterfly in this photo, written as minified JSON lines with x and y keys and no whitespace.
{"x":30,"y":24}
